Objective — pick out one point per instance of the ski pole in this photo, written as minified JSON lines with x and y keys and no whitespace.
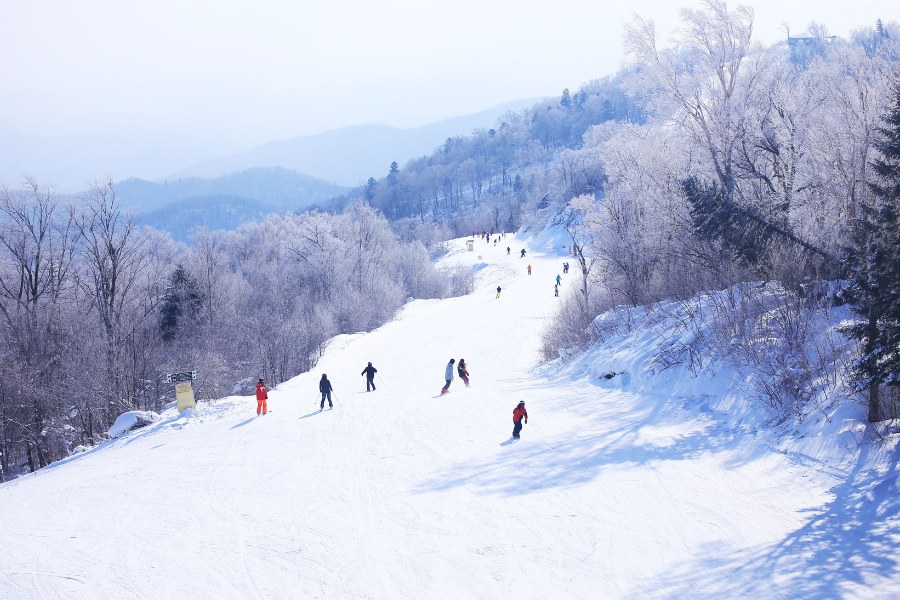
{"x":336,"y":397}
{"x":380,"y":379}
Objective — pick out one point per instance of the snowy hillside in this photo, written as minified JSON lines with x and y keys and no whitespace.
{"x":646,"y":485}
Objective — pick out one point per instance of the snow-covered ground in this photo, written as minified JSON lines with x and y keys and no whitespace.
{"x":642,"y":486}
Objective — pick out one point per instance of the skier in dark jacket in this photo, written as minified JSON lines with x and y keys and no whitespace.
{"x":463,"y":371}
{"x":326,"y":389}
{"x":519,"y":413}
{"x":369,"y":372}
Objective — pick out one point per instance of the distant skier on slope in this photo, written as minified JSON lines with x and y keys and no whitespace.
{"x":558,"y":279}
{"x":507,"y":250}
{"x":369,"y":372}
{"x":463,"y":371}
{"x":529,"y":269}
{"x":326,"y":389}
{"x":523,"y":253}
{"x":519,"y":413}
{"x":448,"y":376}
{"x":262,"y":394}
{"x":498,"y":291}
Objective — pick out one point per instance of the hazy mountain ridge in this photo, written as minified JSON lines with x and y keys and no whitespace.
{"x":224,"y":202}
{"x":275,"y":186}
{"x":350,"y":155}
{"x":180,"y":218}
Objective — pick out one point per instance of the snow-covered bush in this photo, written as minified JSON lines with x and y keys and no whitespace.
{"x":133,"y":419}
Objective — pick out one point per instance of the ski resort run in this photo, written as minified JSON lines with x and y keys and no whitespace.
{"x":628,"y":481}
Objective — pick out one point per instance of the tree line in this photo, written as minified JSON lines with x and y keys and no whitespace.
{"x":710,"y":164}
{"x":96,"y":310}
{"x":760,"y":171}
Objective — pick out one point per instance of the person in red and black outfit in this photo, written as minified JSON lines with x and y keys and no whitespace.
{"x":463,"y":371}
{"x":262,"y":394}
{"x":519,"y":413}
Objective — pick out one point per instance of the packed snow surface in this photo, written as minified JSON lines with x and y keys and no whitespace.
{"x":645,"y":485}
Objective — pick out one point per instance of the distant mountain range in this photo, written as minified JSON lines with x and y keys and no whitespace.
{"x":224,"y":202}
{"x":350,"y":155}
{"x":225,"y":192}
{"x":346,"y":156}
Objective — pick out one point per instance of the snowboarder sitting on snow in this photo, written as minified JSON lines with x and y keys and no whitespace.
{"x":519,"y":413}
{"x":262,"y":394}
{"x":463,"y":371}
{"x":369,"y":372}
{"x":448,"y":376}
{"x":325,"y":388}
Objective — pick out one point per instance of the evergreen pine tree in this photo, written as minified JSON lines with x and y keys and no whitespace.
{"x":874,"y":263}
{"x":182,"y":300}
{"x":371,"y":184}
{"x":566,"y":100}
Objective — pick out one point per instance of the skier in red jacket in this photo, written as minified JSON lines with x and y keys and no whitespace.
{"x":519,"y":413}
{"x":262,"y":394}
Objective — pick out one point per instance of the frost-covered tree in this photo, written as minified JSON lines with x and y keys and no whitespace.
{"x":37,"y":263}
{"x":705,"y":77}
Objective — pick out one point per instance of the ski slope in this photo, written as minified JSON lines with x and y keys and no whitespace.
{"x":617,"y":489}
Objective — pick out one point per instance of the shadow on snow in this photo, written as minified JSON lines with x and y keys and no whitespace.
{"x":841,"y":550}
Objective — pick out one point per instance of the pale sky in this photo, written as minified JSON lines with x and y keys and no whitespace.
{"x":251,"y":71}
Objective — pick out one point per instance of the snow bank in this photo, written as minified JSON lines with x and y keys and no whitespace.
{"x":133,"y":419}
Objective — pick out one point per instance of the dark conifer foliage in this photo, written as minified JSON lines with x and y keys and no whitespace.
{"x":746,"y":234}
{"x":181,"y":304}
{"x":874,"y":261}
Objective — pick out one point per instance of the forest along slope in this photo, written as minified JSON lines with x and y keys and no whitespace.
{"x":402,"y":492}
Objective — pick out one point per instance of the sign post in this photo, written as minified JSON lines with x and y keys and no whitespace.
{"x":184,"y":391}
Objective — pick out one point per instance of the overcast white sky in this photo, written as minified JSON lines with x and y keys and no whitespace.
{"x":251,"y":71}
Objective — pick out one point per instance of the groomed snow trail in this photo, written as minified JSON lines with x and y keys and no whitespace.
{"x":403,"y":493}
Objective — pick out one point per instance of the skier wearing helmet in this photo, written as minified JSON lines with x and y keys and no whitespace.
{"x":519,"y":413}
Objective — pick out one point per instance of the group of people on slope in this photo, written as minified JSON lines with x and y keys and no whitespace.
{"x":462,"y":370}
{"x":520,"y":415}
{"x":325,"y":388}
